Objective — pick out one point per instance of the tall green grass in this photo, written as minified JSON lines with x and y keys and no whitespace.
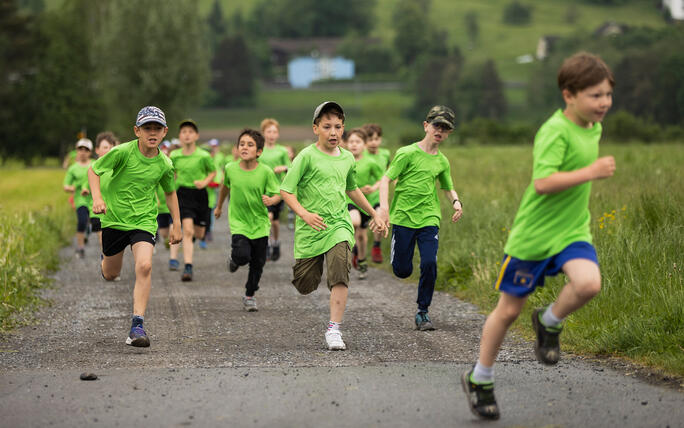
{"x":35,"y":222}
{"x":638,"y":232}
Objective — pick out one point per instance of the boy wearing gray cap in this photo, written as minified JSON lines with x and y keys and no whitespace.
{"x":415,"y":213}
{"x":76,"y":182}
{"x":129,"y":206}
{"x":315,"y":188}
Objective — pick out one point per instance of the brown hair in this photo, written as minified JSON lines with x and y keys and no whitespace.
{"x":331,"y":110}
{"x":106,"y":135}
{"x":255,"y":135}
{"x":372,"y":128}
{"x":360,"y":132}
{"x":268,"y":122}
{"x":583,"y":70}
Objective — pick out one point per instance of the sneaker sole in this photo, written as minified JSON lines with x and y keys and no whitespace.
{"x":252,"y":309}
{"x":464,"y":384}
{"x":337,"y":348}
{"x":186,"y":278}
{"x":140,"y":342}
{"x":429,"y":327}
{"x":537,"y":351}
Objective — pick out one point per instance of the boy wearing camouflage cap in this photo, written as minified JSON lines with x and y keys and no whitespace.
{"x":415,"y":213}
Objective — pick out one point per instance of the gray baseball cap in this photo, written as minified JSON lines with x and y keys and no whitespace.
{"x":150,"y":114}
{"x":324,"y":105}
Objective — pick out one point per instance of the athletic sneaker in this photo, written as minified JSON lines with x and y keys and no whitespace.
{"x":187,"y":273}
{"x":138,"y":337}
{"x":173,"y":264}
{"x":80,"y":253}
{"x":547,"y":345}
{"x":363,"y":269}
{"x":232,"y":266}
{"x":480,"y":397}
{"x":423,"y":322}
{"x":376,"y":254}
{"x":334,"y":340}
{"x":203,"y":244}
{"x":249,"y":303}
{"x":275,"y":253}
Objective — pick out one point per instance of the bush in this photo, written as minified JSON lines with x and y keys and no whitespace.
{"x":516,"y":13}
{"x":624,"y":126}
{"x":488,"y":131}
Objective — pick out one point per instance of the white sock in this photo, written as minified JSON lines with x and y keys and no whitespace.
{"x":333,"y":325}
{"x":549,"y":319}
{"x":482,"y":374}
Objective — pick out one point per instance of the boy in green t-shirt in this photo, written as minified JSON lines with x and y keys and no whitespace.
{"x":194,"y":171}
{"x":104,"y":142}
{"x":415,"y":213}
{"x":130,"y":208}
{"x":76,"y":182}
{"x":550,"y":232}
{"x":367,"y":176}
{"x":252,"y":187}
{"x":213,"y":188}
{"x":382,"y":156}
{"x":275,"y":157}
{"x":315,"y":188}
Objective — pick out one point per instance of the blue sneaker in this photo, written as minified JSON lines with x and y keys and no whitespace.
{"x":423,"y":322}
{"x":187,"y":274}
{"x":138,"y":337}
{"x":173,"y":264}
{"x":203,"y":244}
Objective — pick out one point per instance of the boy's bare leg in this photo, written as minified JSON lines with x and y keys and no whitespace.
{"x":584,"y":283}
{"x":111,"y":266}
{"x":199,"y":231}
{"x":361,"y":236}
{"x":99,"y":238}
{"x":80,"y":239}
{"x":173,"y":251}
{"x":142,"y":254}
{"x":164,"y":232}
{"x":494,"y":331}
{"x":188,"y":233}
{"x":338,"y":302}
{"x":275,"y":230}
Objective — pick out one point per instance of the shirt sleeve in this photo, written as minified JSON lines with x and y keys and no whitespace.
{"x":549,"y":152}
{"x":397,"y":165}
{"x":376,"y":172}
{"x":209,"y":166}
{"x":226,"y":176}
{"x":69,"y":177}
{"x":272,"y":184}
{"x":351,"y":177}
{"x":167,"y":181}
{"x":294,"y":174}
{"x":109,"y":161}
{"x":444,"y":177}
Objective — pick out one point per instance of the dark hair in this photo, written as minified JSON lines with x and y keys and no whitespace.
{"x":106,"y":135}
{"x":372,"y":128}
{"x":332,"y":110}
{"x":583,"y":70}
{"x":255,"y":135}
{"x":360,"y":132}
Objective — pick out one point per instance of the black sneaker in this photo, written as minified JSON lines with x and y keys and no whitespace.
{"x":232,"y":266}
{"x":547,"y":345}
{"x":275,"y":253}
{"x":423,"y":322}
{"x":187,"y":274}
{"x":480,"y":397}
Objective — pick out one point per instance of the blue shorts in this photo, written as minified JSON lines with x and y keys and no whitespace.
{"x":520,"y":277}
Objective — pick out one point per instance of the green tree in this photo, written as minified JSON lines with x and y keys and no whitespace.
{"x":411,"y":23}
{"x":233,"y":81}
{"x":481,"y":93}
{"x":516,"y":13}
{"x":216,"y":25}
{"x":472,"y":26}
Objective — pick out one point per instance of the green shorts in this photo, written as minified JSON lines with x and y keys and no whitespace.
{"x":308,"y":272}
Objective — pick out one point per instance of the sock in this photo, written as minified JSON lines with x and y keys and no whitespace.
{"x":137,"y":321}
{"x":333,"y":325}
{"x":482,"y":374}
{"x":549,"y":319}
{"x":376,"y":243}
{"x":276,"y":243}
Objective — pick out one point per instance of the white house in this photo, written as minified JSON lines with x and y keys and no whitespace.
{"x":675,"y":7}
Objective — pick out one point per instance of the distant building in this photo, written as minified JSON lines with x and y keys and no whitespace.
{"x":309,"y":60}
{"x":545,"y":46}
{"x":675,"y":7}
{"x":610,"y":28}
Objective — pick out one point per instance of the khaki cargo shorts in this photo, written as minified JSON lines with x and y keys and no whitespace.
{"x":308,"y":272}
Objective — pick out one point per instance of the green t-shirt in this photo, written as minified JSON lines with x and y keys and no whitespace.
{"x":546,"y":224}
{"x":77,"y":176}
{"x":416,"y":203}
{"x":275,"y":156}
{"x":368,"y":172}
{"x":247,"y":214}
{"x":195,"y":166}
{"x":320,"y":182}
{"x":219,"y":164}
{"x":161,"y":201}
{"x":382,"y":157}
{"x":131,"y":195}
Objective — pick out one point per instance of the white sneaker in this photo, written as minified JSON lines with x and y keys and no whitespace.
{"x":334,"y":340}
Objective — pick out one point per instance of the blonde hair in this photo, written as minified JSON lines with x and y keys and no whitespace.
{"x":268,"y":122}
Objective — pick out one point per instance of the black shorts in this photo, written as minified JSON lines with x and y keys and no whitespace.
{"x":276,"y":209}
{"x":95,"y":224}
{"x":194,"y":204}
{"x":365,"y":218}
{"x":164,"y":220}
{"x":115,"y":241}
{"x":82,"y":216}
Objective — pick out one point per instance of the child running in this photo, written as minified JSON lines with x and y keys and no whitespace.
{"x":130,"y":208}
{"x":252,"y":187}
{"x":368,"y":175}
{"x":76,"y":182}
{"x":314,"y":188}
{"x":213,"y":188}
{"x":550,"y":232}
{"x":104,"y":142}
{"x":415,"y":213}
{"x":275,"y":157}
{"x":381,"y":156}
{"x":194,"y":171}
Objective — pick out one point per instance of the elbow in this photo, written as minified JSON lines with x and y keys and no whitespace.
{"x":540,"y":187}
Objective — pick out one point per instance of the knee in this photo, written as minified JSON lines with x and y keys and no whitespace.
{"x":506,"y":314}
{"x":143,"y":268}
{"x":402,"y":271}
{"x":588,"y":288}
{"x":428,"y":265}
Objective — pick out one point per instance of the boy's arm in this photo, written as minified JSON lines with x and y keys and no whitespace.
{"x":384,"y":198}
{"x":99,"y":206}
{"x":452,"y":196}
{"x":312,"y":219}
{"x":378,"y":224}
{"x":201,"y":184}
{"x":603,"y":167}
{"x":172,"y":203}
{"x":270,"y":200}
{"x":225,"y":191}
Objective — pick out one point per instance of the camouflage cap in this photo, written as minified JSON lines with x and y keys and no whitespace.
{"x":441,"y":114}
{"x":323,"y":105}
